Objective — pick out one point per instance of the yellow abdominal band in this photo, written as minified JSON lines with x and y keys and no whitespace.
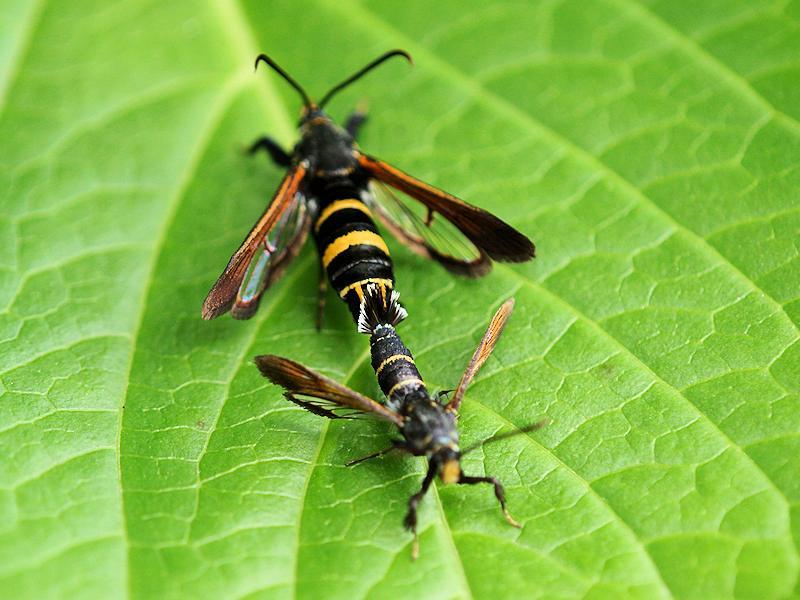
{"x":392,"y":359}
{"x":337,"y":206}
{"x":353,"y":238}
{"x":405,"y":382}
{"x":358,"y":286}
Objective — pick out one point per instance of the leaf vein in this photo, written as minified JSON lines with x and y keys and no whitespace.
{"x":220,"y":106}
{"x":508,"y":109}
{"x":704,"y":57}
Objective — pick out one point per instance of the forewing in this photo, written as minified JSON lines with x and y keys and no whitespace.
{"x":482,"y":352}
{"x":281,"y":245}
{"x":427,"y":234}
{"x":223,"y":294}
{"x":492,"y":235}
{"x":298,"y":380}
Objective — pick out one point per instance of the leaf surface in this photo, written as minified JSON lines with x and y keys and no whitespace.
{"x":651,"y":150}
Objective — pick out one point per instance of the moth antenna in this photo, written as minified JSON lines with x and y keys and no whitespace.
{"x":508,"y":434}
{"x":359,"y":74}
{"x":275,"y":67}
{"x":377,"y":309}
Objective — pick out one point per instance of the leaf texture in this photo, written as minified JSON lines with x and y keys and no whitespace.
{"x":649,"y":147}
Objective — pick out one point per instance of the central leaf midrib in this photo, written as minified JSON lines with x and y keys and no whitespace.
{"x":237,"y":26}
{"x":461,"y":574}
{"x":227,"y":94}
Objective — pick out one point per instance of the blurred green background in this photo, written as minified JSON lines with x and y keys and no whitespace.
{"x":649,"y":147}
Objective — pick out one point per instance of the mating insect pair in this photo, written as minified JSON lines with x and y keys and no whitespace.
{"x":428,"y":427}
{"x":332,"y":188}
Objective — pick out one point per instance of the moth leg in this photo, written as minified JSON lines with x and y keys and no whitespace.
{"x":271,"y":147}
{"x":410,"y":521}
{"x":396,"y":445}
{"x":312,"y":408}
{"x":498,"y":491}
{"x":442,"y":395}
{"x":321,"y":290}
{"x":354,"y":122}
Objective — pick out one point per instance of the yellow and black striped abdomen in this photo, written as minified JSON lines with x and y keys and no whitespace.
{"x":350,"y":247}
{"x":394,"y":366}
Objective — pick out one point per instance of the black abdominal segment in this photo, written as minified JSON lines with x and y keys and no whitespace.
{"x":394,"y":366}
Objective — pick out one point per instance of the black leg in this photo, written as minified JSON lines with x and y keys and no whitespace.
{"x":271,"y":147}
{"x":396,"y":445}
{"x":354,"y":122}
{"x":442,"y":395}
{"x":323,"y":287}
{"x":410,"y":522}
{"x":498,"y":491}
{"x":313,"y":408}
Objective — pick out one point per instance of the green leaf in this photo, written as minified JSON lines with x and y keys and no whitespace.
{"x":651,"y":150}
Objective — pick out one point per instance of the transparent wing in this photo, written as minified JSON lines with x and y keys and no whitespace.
{"x":275,"y":252}
{"x":426,"y":232}
{"x":223,"y":294}
{"x":492,"y":235}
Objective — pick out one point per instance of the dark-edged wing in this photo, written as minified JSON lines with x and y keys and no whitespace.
{"x":298,"y":380}
{"x":247,"y":262}
{"x":281,"y":245}
{"x":482,"y":352}
{"x":435,"y":238}
{"x":490,"y":234}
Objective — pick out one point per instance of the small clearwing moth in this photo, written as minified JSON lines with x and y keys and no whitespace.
{"x":426,"y":422}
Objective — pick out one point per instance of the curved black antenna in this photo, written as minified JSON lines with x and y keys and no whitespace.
{"x":263,"y":57}
{"x":508,"y":434}
{"x":363,"y":72}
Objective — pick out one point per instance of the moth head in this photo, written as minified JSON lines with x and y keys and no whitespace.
{"x":310,"y":113}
